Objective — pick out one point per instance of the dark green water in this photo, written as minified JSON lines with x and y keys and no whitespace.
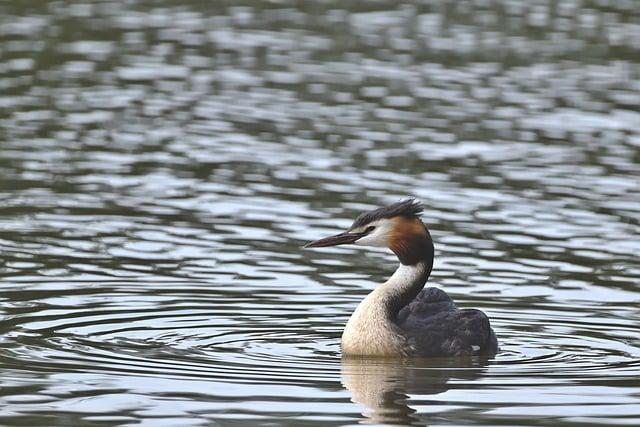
{"x":161,"y":163}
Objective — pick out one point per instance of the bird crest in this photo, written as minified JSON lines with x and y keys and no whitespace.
{"x":408,"y":208}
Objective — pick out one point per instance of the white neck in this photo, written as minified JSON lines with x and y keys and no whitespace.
{"x":372,"y":330}
{"x":404,"y":284}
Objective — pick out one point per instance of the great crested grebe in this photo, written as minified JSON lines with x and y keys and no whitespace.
{"x":399,"y":317}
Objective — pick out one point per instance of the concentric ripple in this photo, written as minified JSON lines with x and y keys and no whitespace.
{"x":193,"y":342}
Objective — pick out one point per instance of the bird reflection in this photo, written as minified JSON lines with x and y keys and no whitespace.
{"x":383,"y":385}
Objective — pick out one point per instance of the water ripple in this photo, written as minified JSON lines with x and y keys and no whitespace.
{"x":162,"y":165}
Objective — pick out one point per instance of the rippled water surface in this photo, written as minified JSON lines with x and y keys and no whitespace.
{"x":163,"y":162}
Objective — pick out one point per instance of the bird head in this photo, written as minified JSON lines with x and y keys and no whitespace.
{"x":397,"y":227}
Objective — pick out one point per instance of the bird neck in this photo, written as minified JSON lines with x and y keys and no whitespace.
{"x":403,"y":286}
{"x":416,"y":263}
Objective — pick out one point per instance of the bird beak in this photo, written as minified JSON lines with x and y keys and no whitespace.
{"x":339,"y":239}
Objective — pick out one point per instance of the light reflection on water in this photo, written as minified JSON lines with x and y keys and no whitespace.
{"x":162,"y":165}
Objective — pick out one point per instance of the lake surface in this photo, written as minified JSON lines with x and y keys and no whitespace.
{"x":163,"y":162}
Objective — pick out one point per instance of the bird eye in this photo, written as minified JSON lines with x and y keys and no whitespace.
{"x":369,"y":229}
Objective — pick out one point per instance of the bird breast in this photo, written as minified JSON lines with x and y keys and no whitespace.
{"x":371,"y":332}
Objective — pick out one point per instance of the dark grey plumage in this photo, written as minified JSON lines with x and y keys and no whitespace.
{"x":407,"y":208}
{"x":437,"y":328}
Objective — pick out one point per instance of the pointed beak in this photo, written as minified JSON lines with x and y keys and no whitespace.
{"x":339,"y":239}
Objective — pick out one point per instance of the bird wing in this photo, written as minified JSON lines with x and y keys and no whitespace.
{"x":436,"y":327}
{"x":430,"y":301}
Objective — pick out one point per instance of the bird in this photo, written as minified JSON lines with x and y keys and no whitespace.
{"x":402,"y":318}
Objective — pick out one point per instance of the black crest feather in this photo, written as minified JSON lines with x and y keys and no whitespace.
{"x":409,"y":208}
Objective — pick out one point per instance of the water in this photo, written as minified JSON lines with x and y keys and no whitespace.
{"x":162,"y":163}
